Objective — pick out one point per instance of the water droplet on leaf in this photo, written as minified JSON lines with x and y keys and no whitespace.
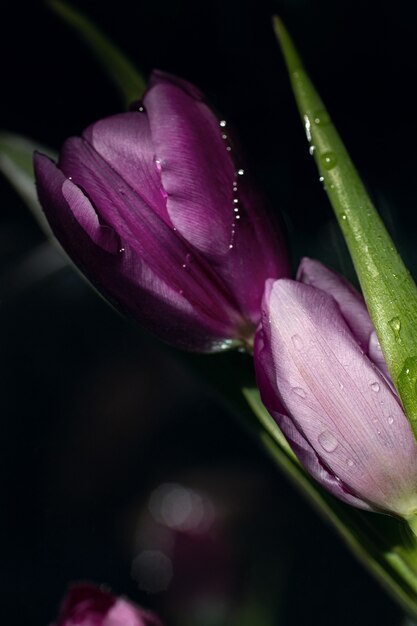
{"x":328,"y":160}
{"x":321,"y":118}
{"x":395,"y":325}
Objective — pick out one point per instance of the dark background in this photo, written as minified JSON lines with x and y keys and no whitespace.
{"x":95,"y":414}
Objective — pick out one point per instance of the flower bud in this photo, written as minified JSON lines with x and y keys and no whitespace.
{"x":155,"y":210}
{"x":321,"y":376}
{"x":87,"y":605}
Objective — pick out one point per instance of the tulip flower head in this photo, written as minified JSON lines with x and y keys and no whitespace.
{"x":87,"y":605}
{"x":322,"y":377}
{"x":155,"y":210}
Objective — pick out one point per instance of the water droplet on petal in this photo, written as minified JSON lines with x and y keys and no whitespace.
{"x":390,"y":420}
{"x":241,"y":172}
{"x":222,"y":123}
{"x":375,"y":387}
{"x":321,"y":178}
{"x":350,"y":462}
{"x":328,"y":441}
{"x":121,"y":250}
{"x":299,"y":391}
{"x":312,"y":150}
{"x":297,"y":342}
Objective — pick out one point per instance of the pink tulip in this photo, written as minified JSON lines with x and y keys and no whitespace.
{"x":322,"y":377}
{"x":87,"y":605}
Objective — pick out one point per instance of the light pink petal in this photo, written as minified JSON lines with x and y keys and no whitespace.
{"x":123,"y":613}
{"x":350,"y":301}
{"x":337,"y":399}
{"x":376,"y":355}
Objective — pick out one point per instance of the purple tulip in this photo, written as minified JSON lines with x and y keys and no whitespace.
{"x":87,"y":605}
{"x":154,"y":209}
{"x":321,"y":376}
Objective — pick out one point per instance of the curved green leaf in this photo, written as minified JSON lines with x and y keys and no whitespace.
{"x":389,"y":290}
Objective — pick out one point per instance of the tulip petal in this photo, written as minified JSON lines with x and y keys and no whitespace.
{"x":197,"y":170}
{"x":143,"y":230}
{"x":265,"y":375}
{"x":350,"y":301}
{"x":259,"y":251}
{"x":124,"y":141}
{"x":52,"y":182}
{"x":336,"y":398}
{"x":120,"y":274}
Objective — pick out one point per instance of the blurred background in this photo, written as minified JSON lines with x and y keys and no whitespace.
{"x":120,"y":465}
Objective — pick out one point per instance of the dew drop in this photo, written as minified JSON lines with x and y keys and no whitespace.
{"x":241,"y":172}
{"x":307,"y":126}
{"x":69,"y":177}
{"x":121,"y":250}
{"x":328,"y":160}
{"x":350,"y":462}
{"x":238,"y":217}
{"x":395,"y":325}
{"x":321,"y":179}
{"x":228,"y":148}
{"x":344,"y":216}
{"x":375,"y":387}
{"x":390,"y":420}
{"x":297,"y":342}
{"x":141,"y":109}
{"x":328,"y":441}
{"x":321,"y":118}
{"x":222,"y":123}
{"x":236,"y":201}
{"x":224,"y":136}
{"x":236,"y":210}
{"x":299,"y":391}
{"x":312,"y":150}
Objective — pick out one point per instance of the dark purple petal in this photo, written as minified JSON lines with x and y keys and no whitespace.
{"x":141,"y":229}
{"x":124,"y":142}
{"x":123,"y":276}
{"x":336,"y":398}
{"x":259,"y":251}
{"x":196,"y":169}
{"x":160,"y":77}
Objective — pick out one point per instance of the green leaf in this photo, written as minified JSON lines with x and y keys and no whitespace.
{"x":389,"y":290}
{"x":120,"y":69}
{"x":16,"y":163}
